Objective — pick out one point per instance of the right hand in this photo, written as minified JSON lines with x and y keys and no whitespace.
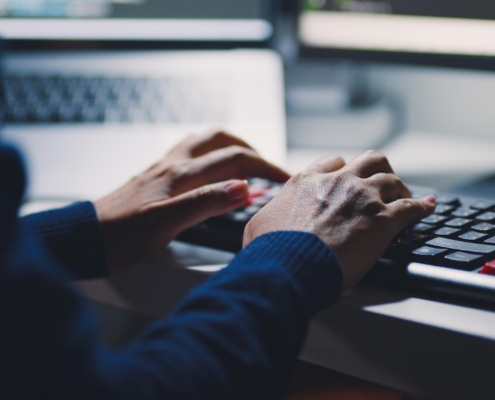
{"x":356,"y":209}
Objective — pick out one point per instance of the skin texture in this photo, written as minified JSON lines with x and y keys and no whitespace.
{"x":356,"y":209}
{"x":193,"y":182}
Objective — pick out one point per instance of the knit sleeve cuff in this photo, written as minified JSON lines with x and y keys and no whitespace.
{"x":311,"y":263}
{"x":72,"y":235}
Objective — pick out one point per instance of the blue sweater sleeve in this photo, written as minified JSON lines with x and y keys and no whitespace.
{"x":72,"y":236}
{"x":234,"y":337}
{"x":238,"y":335}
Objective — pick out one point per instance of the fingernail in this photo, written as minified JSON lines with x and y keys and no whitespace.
{"x":237,"y":191}
{"x":431,"y":198}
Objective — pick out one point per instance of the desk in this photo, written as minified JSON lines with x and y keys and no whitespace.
{"x":414,"y":344}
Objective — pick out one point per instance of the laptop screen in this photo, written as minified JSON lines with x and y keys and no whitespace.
{"x":147,"y":20}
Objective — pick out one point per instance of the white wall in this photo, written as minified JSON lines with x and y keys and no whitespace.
{"x":459,"y":102}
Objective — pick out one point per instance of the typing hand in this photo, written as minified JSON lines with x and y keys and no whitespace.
{"x":356,"y":209}
{"x":193,"y":182}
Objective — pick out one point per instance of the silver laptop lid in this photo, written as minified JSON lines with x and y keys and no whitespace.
{"x":141,"y":20}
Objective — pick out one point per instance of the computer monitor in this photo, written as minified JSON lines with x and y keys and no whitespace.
{"x":455,"y":33}
{"x":136,"y":20}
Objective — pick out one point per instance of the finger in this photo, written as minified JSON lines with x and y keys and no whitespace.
{"x":198,"y":145}
{"x":228,"y":163}
{"x":405,"y":212}
{"x":369,"y":164}
{"x":327,"y":165}
{"x":195,"y":206}
{"x":389,"y":186}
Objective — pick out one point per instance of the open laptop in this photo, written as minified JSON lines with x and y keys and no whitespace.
{"x":88,"y":121}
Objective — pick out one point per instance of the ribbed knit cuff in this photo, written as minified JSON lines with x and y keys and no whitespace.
{"x":311,"y":262}
{"x":72,"y":235}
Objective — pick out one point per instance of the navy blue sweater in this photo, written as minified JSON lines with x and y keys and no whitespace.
{"x":234,"y":337}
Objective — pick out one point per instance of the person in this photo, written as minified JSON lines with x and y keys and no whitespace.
{"x":234,"y":337}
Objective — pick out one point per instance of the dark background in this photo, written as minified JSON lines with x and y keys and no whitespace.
{"x":473,"y":9}
{"x":247,"y":9}
{"x":201,"y":9}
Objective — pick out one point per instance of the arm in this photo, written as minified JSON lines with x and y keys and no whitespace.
{"x":141,"y":218}
{"x":72,"y":236}
{"x":238,"y":335}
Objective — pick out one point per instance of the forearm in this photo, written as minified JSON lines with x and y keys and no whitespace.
{"x":238,"y":335}
{"x":72,"y":236}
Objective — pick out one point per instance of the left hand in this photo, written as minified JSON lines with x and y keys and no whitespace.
{"x":193,"y":182}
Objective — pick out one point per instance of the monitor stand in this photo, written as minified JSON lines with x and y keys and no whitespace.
{"x":331,"y":105}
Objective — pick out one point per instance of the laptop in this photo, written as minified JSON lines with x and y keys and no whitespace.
{"x":88,"y":121}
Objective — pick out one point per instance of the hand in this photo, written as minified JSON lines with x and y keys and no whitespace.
{"x":193,"y":182}
{"x":356,"y":209}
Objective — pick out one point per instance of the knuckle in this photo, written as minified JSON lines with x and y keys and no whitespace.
{"x":239,"y":152}
{"x":372,"y":153}
{"x":176,"y":170}
{"x":377,"y":156}
{"x":381,"y":158}
{"x":218,"y":135}
{"x":407,"y":204}
{"x":374,"y":207}
{"x":301,"y":177}
{"x":206,"y":195}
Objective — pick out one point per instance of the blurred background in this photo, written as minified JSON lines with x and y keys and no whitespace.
{"x":94,"y":91}
{"x":411,"y":78}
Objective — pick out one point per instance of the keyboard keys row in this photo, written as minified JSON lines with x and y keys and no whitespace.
{"x":79,"y":100}
{"x":458,"y":245}
{"x":442,"y":257}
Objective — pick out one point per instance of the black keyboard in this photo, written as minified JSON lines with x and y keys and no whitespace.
{"x":34,"y":99}
{"x":452,"y":252}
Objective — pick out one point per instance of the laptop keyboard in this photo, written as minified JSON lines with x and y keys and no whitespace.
{"x":455,"y":246}
{"x":34,"y":99}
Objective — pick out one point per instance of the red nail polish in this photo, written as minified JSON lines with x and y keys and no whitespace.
{"x":431,"y":198}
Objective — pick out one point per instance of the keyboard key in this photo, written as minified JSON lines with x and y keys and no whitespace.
{"x":434,"y":219}
{"x":428,"y":254}
{"x":423,"y":228}
{"x":238,"y":216}
{"x":488,"y":268}
{"x":464,"y":261}
{"x":443,"y":209}
{"x":462,"y":246}
{"x":448,"y":199}
{"x":416,"y":238}
{"x":394,"y":252}
{"x":465,"y":212}
{"x":473,"y":236}
{"x":252,"y":210}
{"x":41,"y":98}
{"x":459,"y":222}
{"x":491,"y":240}
{"x":488,"y":216}
{"x":484,"y":227}
{"x":406,"y":245}
{"x":483,"y":205}
{"x":446,"y":232}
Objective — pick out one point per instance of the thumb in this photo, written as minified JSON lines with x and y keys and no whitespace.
{"x":195,"y":206}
